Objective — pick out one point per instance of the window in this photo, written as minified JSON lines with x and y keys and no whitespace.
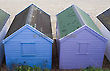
{"x":28,"y":49}
{"x":83,"y":48}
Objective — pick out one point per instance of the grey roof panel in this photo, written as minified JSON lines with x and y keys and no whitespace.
{"x":105,"y":18}
{"x":18,"y":22}
{"x":41,"y":21}
{"x":35,"y":17}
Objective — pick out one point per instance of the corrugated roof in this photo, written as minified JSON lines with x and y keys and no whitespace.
{"x":3,"y":18}
{"x":35,"y":17}
{"x":73,"y":18}
{"x":67,"y":22}
{"x":105,"y":18}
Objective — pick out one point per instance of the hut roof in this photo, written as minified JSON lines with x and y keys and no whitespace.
{"x":72,"y":19}
{"x":3,"y":18}
{"x":33,"y":16}
{"x":105,"y":18}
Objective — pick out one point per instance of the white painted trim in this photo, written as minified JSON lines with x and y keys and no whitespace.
{"x":24,"y":27}
{"x":102,"y":12}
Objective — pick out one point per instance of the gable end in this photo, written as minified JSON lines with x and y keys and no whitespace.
{"x":30,"y":28}
{"x":89,"y":30}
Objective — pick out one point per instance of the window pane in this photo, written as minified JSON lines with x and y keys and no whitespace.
{"x":83,"y":47}
{"x":28,"y":49}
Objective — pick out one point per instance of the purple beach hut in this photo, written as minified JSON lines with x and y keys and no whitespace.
{"x":79,"y":41}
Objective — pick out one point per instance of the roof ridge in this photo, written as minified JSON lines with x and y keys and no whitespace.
{"x":92,"y":25}
{"x":33,"y":16}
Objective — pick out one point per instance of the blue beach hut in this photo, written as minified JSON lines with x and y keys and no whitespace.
{"x":29,"y":39}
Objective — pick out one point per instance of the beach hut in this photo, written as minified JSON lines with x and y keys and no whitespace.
{"x":105,"y":29}
{"x":79,"y":41}
{"x":3,"y":19}
{"x":29,"y":39}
